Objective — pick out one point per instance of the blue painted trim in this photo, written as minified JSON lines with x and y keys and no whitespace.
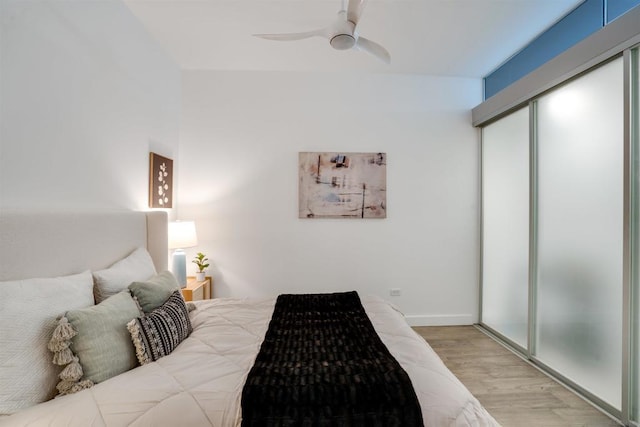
{"x":587,"y":18}
{"x":616,"y":8}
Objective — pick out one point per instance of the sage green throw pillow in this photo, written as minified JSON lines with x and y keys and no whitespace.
{"x":152,"y":293}
{"x":103,"y":343}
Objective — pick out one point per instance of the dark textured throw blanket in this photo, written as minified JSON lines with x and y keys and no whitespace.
{"x":323,"y":364}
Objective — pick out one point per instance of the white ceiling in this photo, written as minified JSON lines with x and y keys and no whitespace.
{"x":466,"y":38}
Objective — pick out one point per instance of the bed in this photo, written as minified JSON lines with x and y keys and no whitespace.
{"x":200,"y":382}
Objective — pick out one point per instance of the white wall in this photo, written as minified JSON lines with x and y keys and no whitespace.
{"x":240,"y":137}
{"x":85,"y":94}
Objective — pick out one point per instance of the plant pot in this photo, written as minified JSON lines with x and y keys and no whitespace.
{"x":200,"y":276}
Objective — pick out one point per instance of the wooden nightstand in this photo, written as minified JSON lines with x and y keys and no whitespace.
{"x":196,"y":291}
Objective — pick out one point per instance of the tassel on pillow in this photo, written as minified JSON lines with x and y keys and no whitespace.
{"x":82,"y":385}
{"x":64,"y":386}
{"x":60,"y":346}
{"x":60,"y":342}
{"x":72,"y":372}
{"x":55,"y":345}
{"x":138,"y":342}
{"x":63,"y":357}
{"x":64,"y":331}
{"x":61,"y":338}
{"x":70,"y":387}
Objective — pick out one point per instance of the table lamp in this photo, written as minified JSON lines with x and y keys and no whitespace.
{"x":182,"y":234}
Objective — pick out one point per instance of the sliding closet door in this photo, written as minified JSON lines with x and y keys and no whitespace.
{"x":580,"y":231}
{"x":505,"y":243}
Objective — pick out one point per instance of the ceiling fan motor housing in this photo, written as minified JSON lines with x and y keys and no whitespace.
{"x":342,"y":41}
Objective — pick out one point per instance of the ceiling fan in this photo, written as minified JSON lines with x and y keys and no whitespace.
{"x":341,"y":33}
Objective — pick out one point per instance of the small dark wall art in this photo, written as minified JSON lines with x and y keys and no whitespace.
{"x":342,"y":185}
{"x":160,"y":181}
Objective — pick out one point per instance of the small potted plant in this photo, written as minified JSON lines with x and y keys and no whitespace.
{"x":202,"y":262}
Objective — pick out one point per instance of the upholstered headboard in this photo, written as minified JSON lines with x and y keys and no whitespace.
{"x":57,"y":244}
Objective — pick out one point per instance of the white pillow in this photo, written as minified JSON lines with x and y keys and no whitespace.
{"x":28,"y":314}
{"x":138,"y":266}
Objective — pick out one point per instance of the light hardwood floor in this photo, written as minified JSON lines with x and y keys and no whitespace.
{"x":514,"y":392}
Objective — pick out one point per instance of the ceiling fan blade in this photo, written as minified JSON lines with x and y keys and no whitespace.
{"x":374,"y":49}
{"x":293,"y":36}
{"x":355,"y":9}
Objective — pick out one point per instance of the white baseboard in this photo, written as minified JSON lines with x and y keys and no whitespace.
{"x":440,"y":320}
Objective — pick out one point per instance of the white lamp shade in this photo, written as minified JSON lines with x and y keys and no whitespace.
{"x":182,"y":234}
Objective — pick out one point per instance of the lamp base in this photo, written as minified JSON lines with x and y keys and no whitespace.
{"x":179,"y":268}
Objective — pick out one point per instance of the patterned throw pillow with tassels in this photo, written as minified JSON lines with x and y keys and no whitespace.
{"x":158,"y":333}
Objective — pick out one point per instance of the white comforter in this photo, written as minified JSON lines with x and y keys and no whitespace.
{"x":200,"y":383}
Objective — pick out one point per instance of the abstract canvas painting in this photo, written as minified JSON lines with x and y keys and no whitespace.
{"x":160,"y":181}
{"x":342,"y":185}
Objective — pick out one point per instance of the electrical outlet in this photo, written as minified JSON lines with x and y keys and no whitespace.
{"x":395,"y":292}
